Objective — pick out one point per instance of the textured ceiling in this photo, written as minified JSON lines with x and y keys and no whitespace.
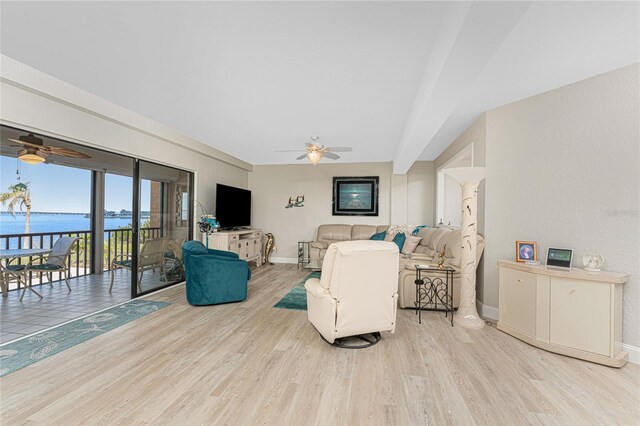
{"x":394,"y":80}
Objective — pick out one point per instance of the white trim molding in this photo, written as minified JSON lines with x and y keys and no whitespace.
{"x":634,"y":353}
{"x":287,"y":260}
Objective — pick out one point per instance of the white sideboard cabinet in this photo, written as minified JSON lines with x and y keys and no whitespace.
{"x":573,"y":312}
{"x":246,"y":243}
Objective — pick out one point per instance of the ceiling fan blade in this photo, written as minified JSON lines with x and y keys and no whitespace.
{"x":23,"y":143}
{"x":331,"y":155}
{"x":66,"y":152}
{"x":290,"y":150}
{"x":340,"y":149}
{"x":301,"y":157}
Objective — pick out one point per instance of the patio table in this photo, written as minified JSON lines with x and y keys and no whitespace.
{"x":9,"y":254}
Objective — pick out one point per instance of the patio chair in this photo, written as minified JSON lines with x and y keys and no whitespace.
{"x":151,"y":257}
{"x":174,"y":266}
{"x":56,"y":261}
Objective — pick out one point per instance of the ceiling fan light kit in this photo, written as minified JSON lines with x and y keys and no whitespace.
{"x":314,"y":152}
{"x":30,"y":156}
{"x":34,"y":151}
{"x":314,"y":157}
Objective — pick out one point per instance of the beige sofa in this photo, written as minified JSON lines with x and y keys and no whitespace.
{"x":433,"y":241}
{"x":328,"y":234}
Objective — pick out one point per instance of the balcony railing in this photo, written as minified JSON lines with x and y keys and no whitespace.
{"x":116,"y":242}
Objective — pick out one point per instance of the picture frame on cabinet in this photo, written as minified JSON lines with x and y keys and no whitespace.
{"x":526,"y":251}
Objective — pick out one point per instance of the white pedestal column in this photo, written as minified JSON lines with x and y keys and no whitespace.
{"x":469,"y":177}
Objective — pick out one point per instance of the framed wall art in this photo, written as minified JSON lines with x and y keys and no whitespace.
{"x":355,"y":196}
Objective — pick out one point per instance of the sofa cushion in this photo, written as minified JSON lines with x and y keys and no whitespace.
{"x":382,"y":228}
{"x":410,"y":244}
{"x":453,"y":240}
{"x":334,"y":232}
{"x":399,"y":239}
{"x":319,"y":244}
{"x":379,"y":236}
{"x":424,"y":250}
{"x":434,"y":236}
{"x":362,"y":232}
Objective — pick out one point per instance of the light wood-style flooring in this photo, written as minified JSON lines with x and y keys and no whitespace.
{"x":249,"y":363}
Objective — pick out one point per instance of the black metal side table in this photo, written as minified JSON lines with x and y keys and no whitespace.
{"x":434,"y":290}
{"x":304,"y":253}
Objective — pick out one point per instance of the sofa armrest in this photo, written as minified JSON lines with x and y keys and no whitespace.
{"x":320,"y":245}
{"x":314,"y":288}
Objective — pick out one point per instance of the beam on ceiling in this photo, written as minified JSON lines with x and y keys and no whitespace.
{"x":453,"y":66}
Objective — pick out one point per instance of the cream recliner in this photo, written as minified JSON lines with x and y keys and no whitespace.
{"x":358,"y":291}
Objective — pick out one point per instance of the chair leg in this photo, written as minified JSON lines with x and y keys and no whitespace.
{"x":113,"y":271}
{"x":24,"y":290}
{"x":66,"y":280}
{"x":50,"y":278}
{"x":28,"y":287}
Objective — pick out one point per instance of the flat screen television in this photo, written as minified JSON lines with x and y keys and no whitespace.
{"x":233,"y":206}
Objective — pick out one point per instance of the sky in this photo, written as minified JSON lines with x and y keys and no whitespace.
{"x":65,"y":189}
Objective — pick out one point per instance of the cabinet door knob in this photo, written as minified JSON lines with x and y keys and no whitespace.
{"x":573,"y":290}
{"x":519,"y":280}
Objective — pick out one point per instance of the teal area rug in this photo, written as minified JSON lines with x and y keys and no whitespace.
{"x":27,"y":351}
{"x":297,"y":297}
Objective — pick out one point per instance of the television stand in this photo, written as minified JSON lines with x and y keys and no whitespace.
{"x":246,"y":243}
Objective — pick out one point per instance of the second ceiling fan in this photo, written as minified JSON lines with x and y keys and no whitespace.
{"x":315,"y":152}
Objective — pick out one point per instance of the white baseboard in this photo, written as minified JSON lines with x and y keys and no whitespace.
{"x":486,"y":311}
{"x":634,"y":353}
{"x":288,"y":260}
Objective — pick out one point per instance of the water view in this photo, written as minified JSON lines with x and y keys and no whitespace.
{"x":61,"y":222}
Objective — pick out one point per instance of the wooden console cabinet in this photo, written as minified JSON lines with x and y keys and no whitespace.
{"x":574,"y":313}
{"x":246,"y":243}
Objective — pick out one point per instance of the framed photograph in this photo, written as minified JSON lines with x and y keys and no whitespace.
{"x":355,"y":196}
{"x":526,"y":250}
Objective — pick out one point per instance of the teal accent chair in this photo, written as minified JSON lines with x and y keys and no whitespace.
{"x":214,"y":276}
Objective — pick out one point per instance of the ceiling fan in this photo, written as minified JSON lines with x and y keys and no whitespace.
{"x":34,"y":150}
{"x":314,"y":151}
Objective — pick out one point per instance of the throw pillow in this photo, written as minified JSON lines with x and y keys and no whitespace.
{"x":417,"y":229}
{"x":399,"y":239}
{"x":410,"y":245}
{"x":379,"y":236}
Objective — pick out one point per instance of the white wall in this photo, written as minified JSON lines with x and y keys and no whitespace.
{"x":563,"y":170}
{"x":420,"y":193}
{"x":272,"y":186}
{"x":35,"y":101}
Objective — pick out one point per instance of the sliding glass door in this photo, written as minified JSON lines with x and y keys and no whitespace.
{"x":163,"y":205}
